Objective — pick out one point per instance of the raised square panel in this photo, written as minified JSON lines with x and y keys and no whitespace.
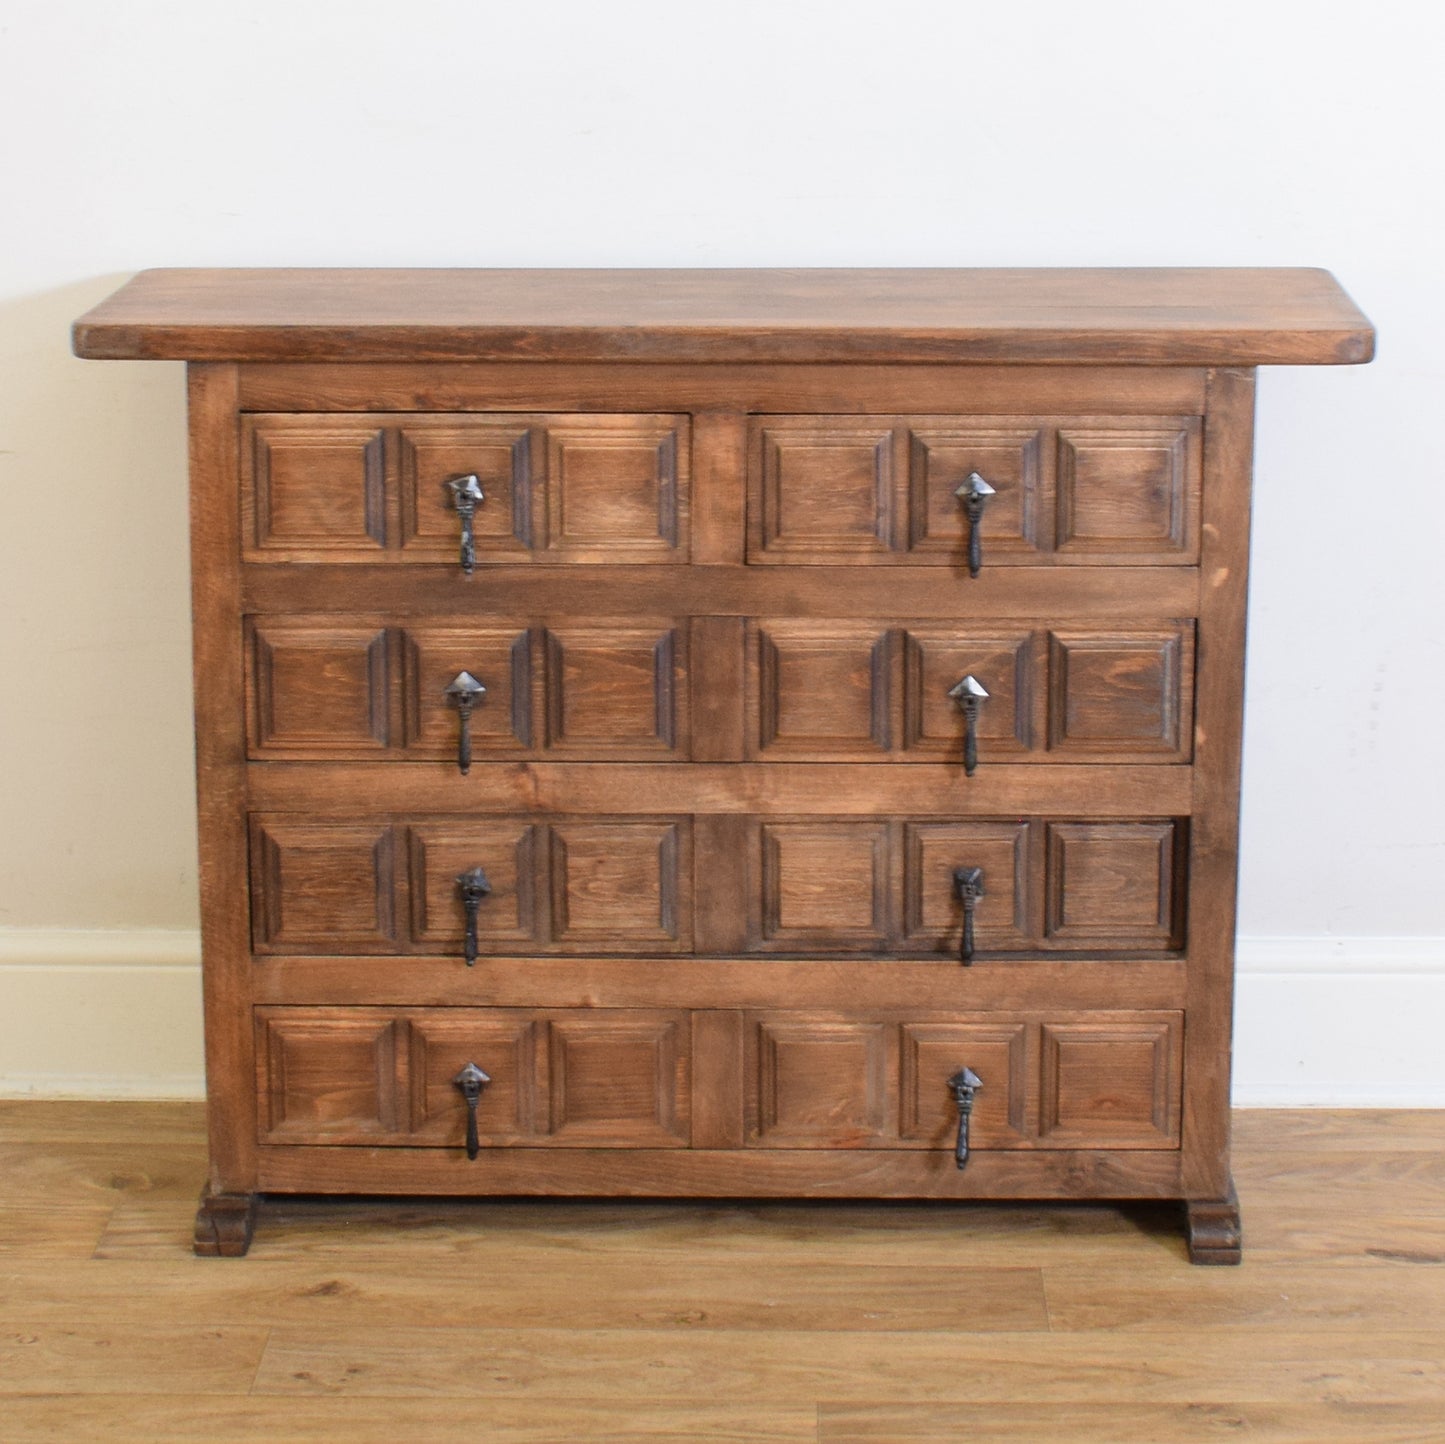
{"x":1112,"y":884}
{"x":824,"y":488}
{"x":314,"y":485}
{"x":941,"y":458}
{"x":818,"y":1082}
{"x":508,"y":851}
{"x":317,"y":688}
{"x":933,"y":915}
{"x":1111,"y":1081}
{"x":322,"y":887}
{"x":503,"y":1044}
{"x":327,"y":1075}
{"x":617,"y":487}
{"x":932,"y":1053}
{"x":1129,"y":490}
{"x":500,"y":658}
{"x":499,"y":452}
{"x":818,"y":690}
{"x":1122,"y":694}
{"x":620,"y":885}
{"x":936,"y":659}
{"x":620,"y":1078}
{"x":823,"y":885}
{"x":618,"y":692}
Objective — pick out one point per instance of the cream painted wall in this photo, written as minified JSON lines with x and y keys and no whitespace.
{"x":175,"y":132}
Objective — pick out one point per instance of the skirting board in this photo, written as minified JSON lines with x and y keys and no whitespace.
{"x":1319,"y":1022}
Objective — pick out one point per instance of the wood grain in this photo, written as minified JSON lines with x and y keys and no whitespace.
{"x":1180,"y":316}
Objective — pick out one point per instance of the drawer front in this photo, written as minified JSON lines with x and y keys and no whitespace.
{"x":1082,"y":490}
{"x":373,"y":487}
{"x":319,"y":687}
{"x":556,"y":885}
{"x":1068,"y":1080}
{"x":856,"y":691}
{"x":845,"y":885}
{"x":616,"y":1078}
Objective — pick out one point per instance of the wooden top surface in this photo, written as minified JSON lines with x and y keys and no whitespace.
{"x":1193,"y":317}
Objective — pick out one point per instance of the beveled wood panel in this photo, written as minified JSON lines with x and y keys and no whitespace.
{"x":1005,"y":916}
{"x":555,"y":487}
{"x":824,"y":884}
{"x":1179,"y":316}
{"x":327,"y":1076}
{"x":318,"y":688}
{"x":936,"y":659}
{"x":557,"y":884}
{"x":819,"y":1082}
{"x":1096,"y":490}
{"x":322,"y":887}
{"x":1108,"y":881}
{"x":1112,"y":1081}
{"x":998,"y":1050}
{"x":618,"y":1078}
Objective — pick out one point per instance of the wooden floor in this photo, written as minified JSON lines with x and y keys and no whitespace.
{"x":489,"y":1323}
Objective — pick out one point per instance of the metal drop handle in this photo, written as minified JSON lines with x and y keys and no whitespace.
{"x":473,"y":886}
{"x":968,"y":885}
{"x":963,"y":1085}
{"x":471,"y":1080}
{"x":968,"y":694}
{"x":464,"y":692}
{"x":467,"y":495}
{"x":974,"y":492}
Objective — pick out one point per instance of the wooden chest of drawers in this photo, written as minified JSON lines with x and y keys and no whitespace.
{"x":728,"y":733}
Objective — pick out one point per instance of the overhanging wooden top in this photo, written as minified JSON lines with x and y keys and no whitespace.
{"x":1186,"y":317}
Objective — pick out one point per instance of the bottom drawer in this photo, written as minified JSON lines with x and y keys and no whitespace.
{"x":624,"y":1078}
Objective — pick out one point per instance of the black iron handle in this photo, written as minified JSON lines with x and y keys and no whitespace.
{"x":464,"y":692}
{"x":963,"y":1085}
{"x":473,"y":886}
{"x":471,"y":1080}
{"x":467,"y":495}
{"x":968,"y":885}
{"x":974,"y":492}
{"x":968,"y":694}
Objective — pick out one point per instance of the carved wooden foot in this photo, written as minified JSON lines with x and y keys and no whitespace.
{"x":1213,"y":1228}
{"x":224,"y":1222}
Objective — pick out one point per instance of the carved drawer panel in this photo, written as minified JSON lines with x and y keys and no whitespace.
{"x":550,"y":884}
{"x":554,"y":488}
{"x":1116,"y":491}
{"x":319,"y":688}
{"x":826,"y":691}
{"x":617,"y":1078}
{"x":837,"y":885}
{"x":820,"y":1079}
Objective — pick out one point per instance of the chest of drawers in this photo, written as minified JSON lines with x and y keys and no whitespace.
{"x":721,"y":733}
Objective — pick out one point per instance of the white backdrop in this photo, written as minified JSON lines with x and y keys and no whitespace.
{"x":760,"y":132}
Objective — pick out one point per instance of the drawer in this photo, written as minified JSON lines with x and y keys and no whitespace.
{"x":616,"y":1078}
{"x":561,"y":885}
{"x":858,"y":691}
{"x":839,"y":885}
{"x":1065,"y":1080}
{"x":321,"y":687}
{"x":1081,"y":490}
{"x":373,"y":487}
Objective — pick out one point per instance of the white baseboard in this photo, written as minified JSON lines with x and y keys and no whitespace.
{"x":1319,"y":1022}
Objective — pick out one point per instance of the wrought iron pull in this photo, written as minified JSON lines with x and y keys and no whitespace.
{"x":973,"y":493}
{"x":968,"y":884}
{"x":464,"y":692}
{"x":471,"y":1080}
{"x":968,"y":694}
{"x":473,"y":886}
{"x":963,"y":1085}
{"x":467,"y":495}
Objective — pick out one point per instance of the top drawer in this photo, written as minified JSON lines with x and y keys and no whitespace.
{"x":1081,"y":490}
{"x":555,"y":488}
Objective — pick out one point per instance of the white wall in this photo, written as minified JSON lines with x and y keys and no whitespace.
{"x":937,"y":132}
